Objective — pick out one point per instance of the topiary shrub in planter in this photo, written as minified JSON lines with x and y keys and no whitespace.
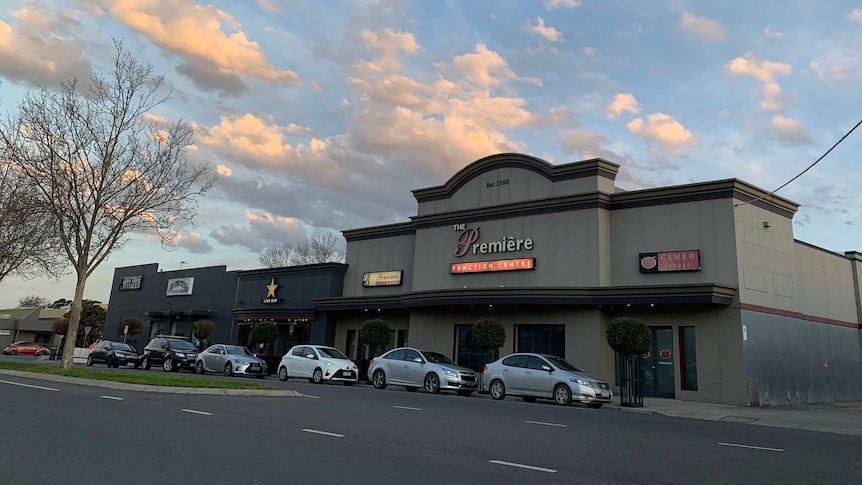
{"x":375,"y":334}
{"x":489,"y":335}
{"x":204,"y":328}
{"x":630,"y":338}
{"x":264,"y":333}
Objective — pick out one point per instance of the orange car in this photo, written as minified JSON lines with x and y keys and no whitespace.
{"x":25,"y":348}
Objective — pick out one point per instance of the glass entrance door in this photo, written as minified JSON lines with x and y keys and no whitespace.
{"x":658,"y":364}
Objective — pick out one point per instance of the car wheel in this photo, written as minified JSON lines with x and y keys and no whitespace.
{"x":89,"y":361}
{"x":465,"y":393}
{"x":497,"y":389}
{"x":432,"y":383}
{"x":282,"y":373}
{"x":199,"y":368}
{"x":168,"y":365}
{"x":317,"y":376}
{"x":145,"y":363}
{"x":595,"y":405}
{"x":410,"y":388}
{"x":563,"y":395}
{"x":379,"y":379}
{"x":528,"y":399}
{"x":13,"y":352}
{"x":228,"y":369}
{"x":42,"y":352}
{"x":109,"y":362}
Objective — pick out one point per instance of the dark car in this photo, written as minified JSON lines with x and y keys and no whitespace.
{"x":170,"y":352}
{"x":114,"y":354}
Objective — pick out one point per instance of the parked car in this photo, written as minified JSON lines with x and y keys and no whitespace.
{"x":26,"y":348}
{"x":413,"y":368}
{"x":533,"y":376}
{"x":231,"y":360}
{"x":114,"y":354}
{"x":318,"y":363}
{"x":171,"y":352}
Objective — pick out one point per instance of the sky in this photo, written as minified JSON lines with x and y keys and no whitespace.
{"x":325,"y":115}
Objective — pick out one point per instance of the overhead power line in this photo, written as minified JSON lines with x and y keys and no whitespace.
{"x":807,"y":169}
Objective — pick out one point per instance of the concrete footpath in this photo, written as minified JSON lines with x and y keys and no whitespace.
{"x":839,"y":417}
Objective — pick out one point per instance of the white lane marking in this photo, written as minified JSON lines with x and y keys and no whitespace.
{"x":324,"y":433}
{"x":526,"y":467}
{"x":196,"y":412}
{"x":115,"y":398}
{"x":779,"y":450}
{"x":30,"y":386}
{"x":547,"y":424}
{"x":407,"y":408}
{"x":311,"y":397}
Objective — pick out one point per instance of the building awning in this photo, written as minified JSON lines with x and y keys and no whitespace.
{"x":176,"y":313}
{"x":706,"y":294}
{"x":276,"y":315}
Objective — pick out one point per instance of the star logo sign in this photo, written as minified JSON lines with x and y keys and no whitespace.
{"x":271,"y":289}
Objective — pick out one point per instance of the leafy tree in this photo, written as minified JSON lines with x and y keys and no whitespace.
{"x":100,"y":169}
{"x":204,"y":328}
{"x":136,"y":326}
{"x":628,"y":335}
{"x":321,"y":247}
{"x":93,"y":316}
{"x":59,"y":326}
{"x":33,"y":300}
{"x":375,"y":333}
{"x":489,"y":334}
{"x":61,"y":303}
{"x":264,"y":333}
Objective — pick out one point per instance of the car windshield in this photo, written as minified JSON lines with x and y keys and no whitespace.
{"x":437,"y":358}
{"x":236,"y":350}
{"x":562,"y":364}
{"x":123,"y":347}
{"x":331,"y":353}
{"x":177,"y":344}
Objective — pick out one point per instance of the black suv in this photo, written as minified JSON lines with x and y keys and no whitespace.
{"x":172,"y":353}
{"x":114,"y":354}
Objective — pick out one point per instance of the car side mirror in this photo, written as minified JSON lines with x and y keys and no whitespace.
{"x":309,"y":356}
{"x":418,"y":360}
{"x":164,"y":347}
{"x":547,"y":368}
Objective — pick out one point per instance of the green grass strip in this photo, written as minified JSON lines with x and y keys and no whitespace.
{"x":148,"y":378}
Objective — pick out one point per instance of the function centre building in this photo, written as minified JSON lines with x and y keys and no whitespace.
{"x":740,"y":311}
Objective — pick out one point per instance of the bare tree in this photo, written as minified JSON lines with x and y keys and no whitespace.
{"x":321,"y":247}
{"x":33,"y":300}
{"x":100,"y":169}
{"x":28,"y":236}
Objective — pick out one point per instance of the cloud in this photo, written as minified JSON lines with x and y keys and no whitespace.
{"x":42,"y":48}
{"x":772,"y":97}
{"x":269,"y":6}
{"x":662,"y":130}
{"x":789,"y":131}
{"x":855,"y":16}
{"x":537,"y":26}
{"x":555,"y":4}
{"x":224,"y":170}
{"x":263,"y":230}
{"x":836,"y":72}
{"x":591,"y":51}
{"x":193,"y":243}
{"x":208,"y":39}
{"x":772,"y":33}
{"x":623,"y":102}
{"x":702,"y":28}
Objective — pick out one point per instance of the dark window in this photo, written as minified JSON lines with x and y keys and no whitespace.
{"x":401,"y":340}
{"x":535,"y":363}
{"x":411,"y":354}
{"x":516,"y":361}
{"x":350,"y":345}
{"x":466,"y":353}
{"x":541,"y":339}
{"x":396,"y":355}
{"x":297,"y":351}
{"x":688,"y":358}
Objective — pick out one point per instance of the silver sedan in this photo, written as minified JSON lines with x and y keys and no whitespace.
{"x":230,"y":360}
{"x":413,"y":368}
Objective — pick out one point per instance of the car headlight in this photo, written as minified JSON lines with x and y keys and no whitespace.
{"x":180,"y":355}
{"x":451,"y":373}
{"x":582,"y":382}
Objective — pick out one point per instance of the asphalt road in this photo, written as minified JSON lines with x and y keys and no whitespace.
{"x":69,"y":434}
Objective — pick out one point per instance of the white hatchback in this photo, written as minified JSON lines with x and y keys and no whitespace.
{"x":318,"y":364}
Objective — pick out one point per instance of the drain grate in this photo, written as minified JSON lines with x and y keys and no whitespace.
{"x":738,"y":419}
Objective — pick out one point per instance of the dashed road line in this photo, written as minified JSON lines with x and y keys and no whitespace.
{"x":115,"y":398}
{"x":407,"y":408}
{"x":778,"y":450}
{"x":30,"y":386}
{"x":311,"y":397}
{"x":196,"y":412}
{"x":520,"y":465}
{"x":542,"y":423}
{"x":324,"y":433}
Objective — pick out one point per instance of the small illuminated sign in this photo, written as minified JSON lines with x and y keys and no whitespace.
{"x":382,"y":278}
{"x":498,"y":265}
{"x":661,"y":262}
{"x":131,"y":283}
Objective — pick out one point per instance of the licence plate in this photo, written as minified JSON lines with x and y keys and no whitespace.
{"x":348,"y":373}
{"x":606,"y":393}
{"x":255,"y":366}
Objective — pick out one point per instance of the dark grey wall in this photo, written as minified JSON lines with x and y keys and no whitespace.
{"x":786,"y":356}
{"x":214,"y":290}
